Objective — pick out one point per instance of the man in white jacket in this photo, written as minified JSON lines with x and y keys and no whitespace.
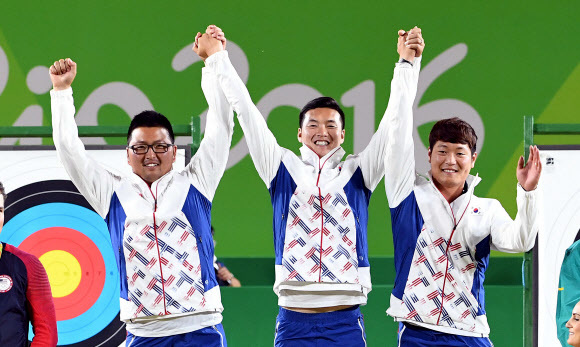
{"x":443,"y":233}
{"x":320,"y":206}
{"x":158,"y":218}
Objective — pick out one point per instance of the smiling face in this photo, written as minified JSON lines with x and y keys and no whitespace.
{"x":450,"y":166}
{"x":321,"y":130}
{"x":151,"y":166}
{"x":573,"y":326}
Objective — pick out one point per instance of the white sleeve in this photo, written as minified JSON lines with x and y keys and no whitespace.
{"x":207,"y":166}
{"x":519,"y":235}
{"x":264,"y":150}
{"x":92,"y":180}
{"x":396,"y":134}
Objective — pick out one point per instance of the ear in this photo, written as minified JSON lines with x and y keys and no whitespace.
{"x":429,"y":154}
{"x":300,"y":135}
{"x":473,"y":159}
{"x":174,"y":153}
{"x":342,"y":136}
{"x":128,"y":161}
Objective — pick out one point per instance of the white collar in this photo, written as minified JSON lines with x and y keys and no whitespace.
{"x":471,"y":180}
{"x":154,"y":185}
{"x":330,"y":160}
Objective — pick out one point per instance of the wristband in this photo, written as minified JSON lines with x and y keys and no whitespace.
{"x":403,"y":60}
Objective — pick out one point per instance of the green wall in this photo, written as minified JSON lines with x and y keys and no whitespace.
{"x":521,"y":60}
{"x":250,"y":311}
{"x":250,"y":316}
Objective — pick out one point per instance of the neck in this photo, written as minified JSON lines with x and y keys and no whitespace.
{"x":449,"y":193}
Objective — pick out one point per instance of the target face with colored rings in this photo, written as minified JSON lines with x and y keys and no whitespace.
{"x":52,"y":221}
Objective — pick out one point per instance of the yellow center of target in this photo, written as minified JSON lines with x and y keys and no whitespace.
{"x":64,"y":272}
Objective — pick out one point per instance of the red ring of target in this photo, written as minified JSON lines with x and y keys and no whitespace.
{"x":86,"y":253}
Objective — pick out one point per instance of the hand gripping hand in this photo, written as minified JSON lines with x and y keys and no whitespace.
{"x":410,"y":44}
{"x":212,"y":41}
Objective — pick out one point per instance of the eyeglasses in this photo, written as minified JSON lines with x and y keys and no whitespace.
{"x":157,"y":148}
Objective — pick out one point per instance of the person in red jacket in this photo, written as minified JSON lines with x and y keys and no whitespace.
{"x":25,"y":296}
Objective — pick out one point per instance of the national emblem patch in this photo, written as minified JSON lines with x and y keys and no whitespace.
{"x":5,"y":283}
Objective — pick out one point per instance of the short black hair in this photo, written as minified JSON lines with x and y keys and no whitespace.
{"x":3,"y":192}
{"x":321,"y":102}
{"x":150,"y":119}
{"x":453,"y":130}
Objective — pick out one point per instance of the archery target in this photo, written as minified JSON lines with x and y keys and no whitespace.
{"x":46,"y":216}
{"x":561,"y":199}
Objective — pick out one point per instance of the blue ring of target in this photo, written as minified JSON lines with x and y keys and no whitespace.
{"x":83,"y":220}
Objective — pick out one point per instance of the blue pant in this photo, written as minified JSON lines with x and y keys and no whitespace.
{"x":344,"y":328}
{"x":414,"y":336}
{"x":213,"y":336}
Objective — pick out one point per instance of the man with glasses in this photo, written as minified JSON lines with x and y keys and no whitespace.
{"x":158,"y":218}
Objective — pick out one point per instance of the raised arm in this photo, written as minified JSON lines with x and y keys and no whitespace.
{"x":390,"y":151}
{"x":209,"y":163}
{"x":264,"y":150}
{"x":519,"y":235}
{"x":93,"y":181}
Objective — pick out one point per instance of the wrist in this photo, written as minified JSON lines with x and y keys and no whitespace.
{"x":214,"y":51}
{"x":230,"y":278}
{"x":528,"y":188}
{"x":406,"y":60}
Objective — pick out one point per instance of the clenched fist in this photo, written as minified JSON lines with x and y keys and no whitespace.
{"x":62,"y":73}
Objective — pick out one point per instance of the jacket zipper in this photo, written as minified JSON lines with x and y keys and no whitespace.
{"x":455,"y":223}
{"x":322,"y":213}
{"x":157,"y":244}
{"x":321,"y":231}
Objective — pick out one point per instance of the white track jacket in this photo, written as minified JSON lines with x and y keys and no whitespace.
{"x":161,"y":234}
{"x":442,"y":250}
{"x":320,"y":205}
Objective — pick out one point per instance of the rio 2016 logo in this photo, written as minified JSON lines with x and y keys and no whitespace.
{"x":361,"y":98}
